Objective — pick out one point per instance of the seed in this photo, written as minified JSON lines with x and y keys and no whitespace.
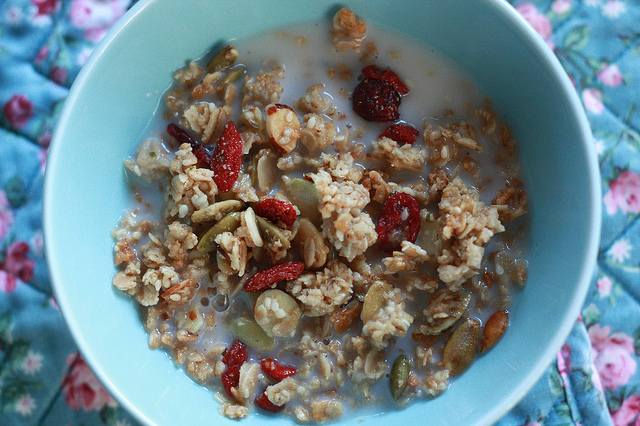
{"x":399,"y":376}
{"x":229,"y":223}
{"x":232,"y":75}
{"x":373,"y":300}
{"x":271,"y":232}
{"x":494,"y":329}
{"x":445,"y":307}
{"x":461,"y":348}
{"x":252,"y":334}
{"x":223,"y":59}
{"x":216,"y":211}
{"x":304,"y":195}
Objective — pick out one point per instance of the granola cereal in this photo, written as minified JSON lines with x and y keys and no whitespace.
{"x":287,"y":242}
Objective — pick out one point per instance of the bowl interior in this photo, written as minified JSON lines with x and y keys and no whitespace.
{"x":120,"y":87}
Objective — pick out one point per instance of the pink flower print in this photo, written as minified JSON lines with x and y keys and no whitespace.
{"x":37,"y":243}
{"x":620,"y":250}
{"x":561,"y":6}
{"x":58,"y":75}
{"x":627,"y":412}
{"x":8,"y":282}
{"x":610,"y":75}
{"x":32,"y":363}
{"x":13,"y":15}
{"x":17,"y":262}
{"x":592,"y":99}
{"x":42,"y":54}
{"x":18,"y":111}
{"x":599,"y":146}
{"x":6,"y":215}
{"x":613,"y":9}
{"x":612,"y":356}
{"x":25,"y":405}
{"x":565,"y":351}
{"x":44,"y":140}
{"x":82,"y":389}
{"x":96,"y":17}
{"x":604,"y":286}
{"x":42,"y":159}
{"x":538,"y":21}
{"x":624,"y":193}
{"x":46,"y":7}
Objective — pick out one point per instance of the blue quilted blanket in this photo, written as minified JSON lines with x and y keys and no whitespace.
{"x":44,"y":380}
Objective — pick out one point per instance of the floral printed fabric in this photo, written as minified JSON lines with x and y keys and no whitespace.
{"x":44,"y":380}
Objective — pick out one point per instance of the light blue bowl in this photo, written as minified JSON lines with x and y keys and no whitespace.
{"x":119,"y":89}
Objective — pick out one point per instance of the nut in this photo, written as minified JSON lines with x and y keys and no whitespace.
{"x":283,"y":127}
{"x":277,"y":313}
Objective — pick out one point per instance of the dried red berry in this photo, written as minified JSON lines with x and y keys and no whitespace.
{"x":276,"y":210}
{"x":375,"y":100}
{"x":399,"y":221}
{"x":265,"y":279}
{"x":236,"y":354}
{"x":226,"y":160}
{"x":230,"y":379}
{"x":275,"y":370}
{"x":263,"y":402}
{"x":181,"y":136}
{"x":204,"y":159}
{"x":388,"y":76}
{"x":395,"y":82}
{"x":372,"y":71}
{"x":401,"y":133}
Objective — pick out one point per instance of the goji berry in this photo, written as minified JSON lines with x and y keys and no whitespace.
{"x":372,"y":71}
{"x":388,"y":76}
{"x":230,"y":379}
{"x":275,"y":370}
{"x":263,"y":402}
{"x":276,"y":210}
{"x":399,"y":221}
{"x":236,"y":354}
{"x":181,"y":136}
{"x":376,"y":100}
{"x":226,"y":160}
{"x":265,"y":279}
{"x":204,"y":159}
{"x":401,"y":133}
{"x":395,"y":82}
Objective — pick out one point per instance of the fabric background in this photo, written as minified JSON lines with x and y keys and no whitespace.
{"x":45,"y":381}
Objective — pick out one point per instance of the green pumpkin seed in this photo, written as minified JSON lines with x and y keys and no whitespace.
{"x":373,"y":300}
{"x":229,"y":223}
{"x":271,"y":232}
{"x":399,"y":376}
{"x":216,"y":211}
{"x":232,"y":75}
{"x":223,"y":59}
{"x":304,"y":195}
{"x":252,"y":334}
{"x":445,"y":307}
{"x":462,"y":347}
